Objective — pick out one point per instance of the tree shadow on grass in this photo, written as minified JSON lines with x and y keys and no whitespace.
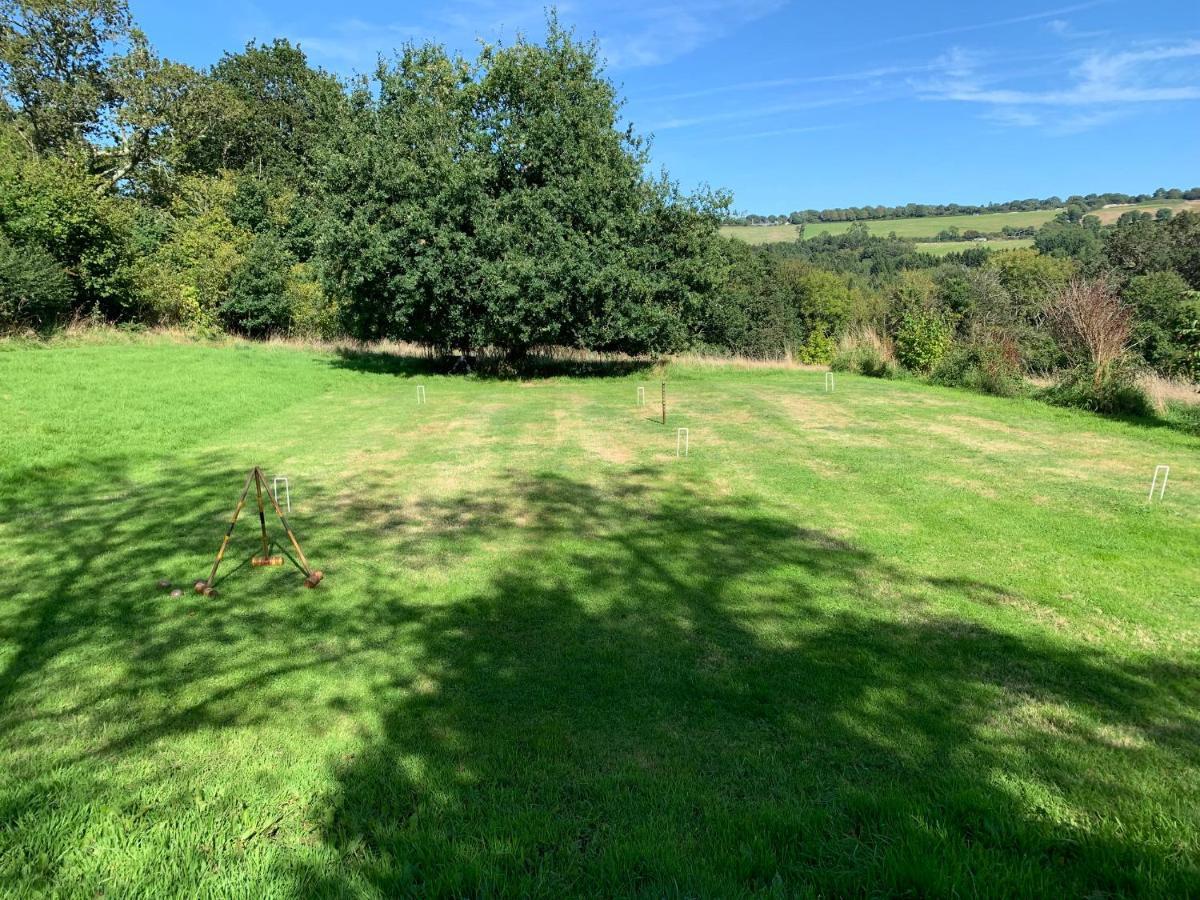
{"x":697,"y":697}
{"x":652,"y":689}
{"x":492,"y":367}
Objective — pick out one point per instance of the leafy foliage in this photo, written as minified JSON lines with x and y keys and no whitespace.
{"x":922,"y":338}
{"x":186,"y":276}
{"x":497,"y":203}
{"x":258,"y":304}
{"x":1112,"y":390}
{"x":987,"y":366}
{"x":34,"y":290}
{"x":53,"y":203}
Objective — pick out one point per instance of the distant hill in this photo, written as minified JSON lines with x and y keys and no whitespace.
{"x":1083,"y":202}
{"x":927,"y":228}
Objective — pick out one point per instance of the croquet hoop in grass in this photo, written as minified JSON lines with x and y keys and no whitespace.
{"x":312,"y":577}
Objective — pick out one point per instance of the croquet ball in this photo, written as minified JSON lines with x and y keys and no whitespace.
{"x":177,"y":593}
{"x":164,"y":583}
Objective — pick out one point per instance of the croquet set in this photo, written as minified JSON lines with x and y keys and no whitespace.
{"x":312,"y":577}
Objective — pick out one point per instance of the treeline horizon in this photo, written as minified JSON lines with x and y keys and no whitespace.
{"x":1088,"y":202}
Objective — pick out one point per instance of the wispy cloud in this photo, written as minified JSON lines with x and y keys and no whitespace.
{"x":1064,"y":29}
{"x":776,"y":132}
{"x":994,"y":23}
{"x":743,"y":114}
{"x":1101,"y":88}
{"x":358,"y":44}
{"x":865,"y":75}
{"x":650,"y":34}
{"x":631,"y":34}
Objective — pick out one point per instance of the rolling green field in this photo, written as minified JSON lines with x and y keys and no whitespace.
{"x":941,"y":248}
{"x":930,"y":226}
{"x":887,"y":640}
{"x":914,"y":229}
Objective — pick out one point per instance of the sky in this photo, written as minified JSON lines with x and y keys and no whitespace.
{"x":797,"y":105}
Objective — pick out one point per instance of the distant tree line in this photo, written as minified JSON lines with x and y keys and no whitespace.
{"x":1087,"y":202}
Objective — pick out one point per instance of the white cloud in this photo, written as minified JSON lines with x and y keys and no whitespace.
{"x":995,"y":23}
{"x":358,"y":44}
{"x":650,"y":34}
{"x":630,"y":33}
{"x":1103,"y":87}
{"x":749,"y":113}
{"x":1064,"y":29}
{"x":776,"y":132}
{"x":867,"y":75}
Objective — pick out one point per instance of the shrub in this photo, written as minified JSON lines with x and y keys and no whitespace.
{"x":185,"y":279}
{"x":990,"y":367}
{"x":54,"y":204}
{"x":34,"y":290}
{"x":312,"y":315}
{"x":1093,"y":325}
{"x":866,"y":352}
{"x":922,"y":338}
{"x":1113,"y":390}
{"x":1183,"y":416}
{"x":818,"y":347}
{"x":1165,"y":307}
{"x":259,"y":303}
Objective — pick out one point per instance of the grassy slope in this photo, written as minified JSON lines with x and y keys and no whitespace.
{"x":929,"y":226}
{"x":941,"y":248}
{"x":892,"y":638}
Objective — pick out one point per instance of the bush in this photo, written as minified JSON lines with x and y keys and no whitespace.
{"x":922,"y":338}
{"x":818,"y":347}
{"x":1113,"y":390}
{"x":1164,"y":308}
{"x":259,"y":303}
{"x":54,"y":204}
{"x":866,"y":352}
{"x":990,"y":367}
{"x":186,"y":277}
{"x":34,"y":290}
{"x":1183,"y":416}
{"x":312,"y":314}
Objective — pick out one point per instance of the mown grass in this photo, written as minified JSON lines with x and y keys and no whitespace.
{"x":890,"y":639}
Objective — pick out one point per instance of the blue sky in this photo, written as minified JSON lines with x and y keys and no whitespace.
{"x":792,"y":105}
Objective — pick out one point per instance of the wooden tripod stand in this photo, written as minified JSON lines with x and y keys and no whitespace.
{"x":312,"y":576}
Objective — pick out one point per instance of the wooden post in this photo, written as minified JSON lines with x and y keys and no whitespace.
{"x":664,"y":403}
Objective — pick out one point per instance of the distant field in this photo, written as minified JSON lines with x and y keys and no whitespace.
{"x":927,"y":227}
{"x":930,"y":226}
{"x":941,"y":248}
{"x":1111,"y":214}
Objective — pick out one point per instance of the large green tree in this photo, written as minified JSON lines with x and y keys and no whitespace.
{"x":501,"y":203}
{"x":267,"y":111}
{"x":54,"y":68}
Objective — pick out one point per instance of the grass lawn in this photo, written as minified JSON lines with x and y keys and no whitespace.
{"x":889,"y":639}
